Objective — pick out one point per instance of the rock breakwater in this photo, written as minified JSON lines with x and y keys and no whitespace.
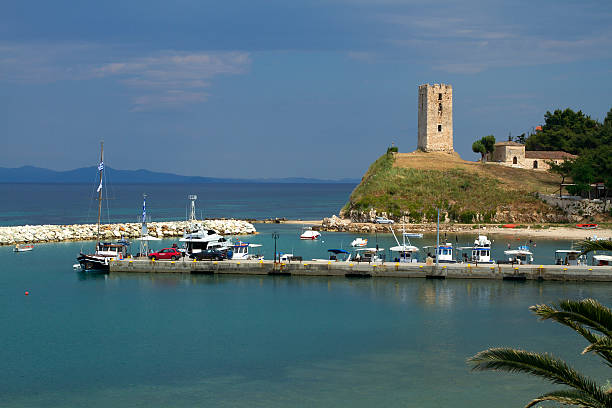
{"x":82,"y":232}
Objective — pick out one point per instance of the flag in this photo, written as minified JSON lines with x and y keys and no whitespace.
{"x":144,"y":210}
{"x":99,"y":187}
{"x":101,"y":166}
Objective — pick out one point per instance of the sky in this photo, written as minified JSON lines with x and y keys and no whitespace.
{"x":271,"y":88}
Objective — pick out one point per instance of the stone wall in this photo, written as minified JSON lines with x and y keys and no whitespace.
{"x":77,"y":232}
{"x":577,"y":208}
{"x":435,"y":118}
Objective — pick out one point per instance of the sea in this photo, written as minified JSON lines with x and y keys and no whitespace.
{"x":79,"y":339}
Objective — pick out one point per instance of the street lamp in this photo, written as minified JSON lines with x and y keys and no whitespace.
{"x":275,"y":237}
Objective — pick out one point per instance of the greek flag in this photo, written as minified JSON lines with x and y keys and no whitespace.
{"x":101,"y":166}
{"x":144,"y":210}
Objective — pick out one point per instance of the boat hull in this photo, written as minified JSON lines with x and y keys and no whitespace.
{"x":91,"y":263}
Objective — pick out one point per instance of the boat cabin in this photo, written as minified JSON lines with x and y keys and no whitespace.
{"x":113,"y":250}
{"x":521,"y":256}
{"x":444,"y":253}
{"x":602,"y":260}
{"x":405,"y":253}
{"x":369,"y":255}
{"x":241,"y":251}
{"x":569,"y":257}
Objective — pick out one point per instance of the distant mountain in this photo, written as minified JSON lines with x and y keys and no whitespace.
{"x":31,"y":174}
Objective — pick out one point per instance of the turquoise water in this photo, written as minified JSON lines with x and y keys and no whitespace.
{"x":238,"y":341}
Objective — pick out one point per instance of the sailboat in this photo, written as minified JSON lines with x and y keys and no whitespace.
{"x":406,"y":251}
{"x":104,"y":252}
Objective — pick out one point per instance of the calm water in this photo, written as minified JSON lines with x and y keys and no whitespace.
{"x":22,"y":204}
{"x":232,"y":341}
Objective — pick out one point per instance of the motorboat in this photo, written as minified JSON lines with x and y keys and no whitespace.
{"x":602,"y":260}
{"x":240,"y":251}
{"x":569,"y":257}
{"x":201,"y":240}
{"x":369,"y":255}
{"x":359,"y":242}
{"x":23,"y":248}
{"x":480,"y":251}
{"x":406,"y":251}
{"x":309,"y":233}
{"x":522,"y":255}
{"x":336,"y":255}
{"x":443,"y":253}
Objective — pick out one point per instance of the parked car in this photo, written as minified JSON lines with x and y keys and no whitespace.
{"x":166,"y":253}
{"x":211,"y":255}
{"x":383,"y":220}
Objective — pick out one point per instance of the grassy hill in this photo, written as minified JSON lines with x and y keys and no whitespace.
{"x":415,"y":184}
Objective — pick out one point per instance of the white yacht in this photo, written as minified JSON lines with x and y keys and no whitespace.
{"x":309,"y":233}
{"x":200,"y":240}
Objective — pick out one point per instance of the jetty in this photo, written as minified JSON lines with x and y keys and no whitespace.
{"x":367,"y":270}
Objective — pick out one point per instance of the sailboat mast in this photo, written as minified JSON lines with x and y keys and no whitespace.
{"x":100,"y":169}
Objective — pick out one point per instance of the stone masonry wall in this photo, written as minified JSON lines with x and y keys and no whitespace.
{"x":435,"y":118}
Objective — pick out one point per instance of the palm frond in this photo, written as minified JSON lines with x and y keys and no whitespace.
{"x":590,"y":246}
{"x":540,"y":365}
{"x":587,"y":312}
{"x":603,"y":344}
{"x":568,"y":397}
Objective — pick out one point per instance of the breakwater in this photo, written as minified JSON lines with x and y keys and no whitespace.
{"x":82,"y":232}
{"x":369,"y":270}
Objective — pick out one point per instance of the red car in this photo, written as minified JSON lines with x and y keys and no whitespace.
{"x":166,"y":253}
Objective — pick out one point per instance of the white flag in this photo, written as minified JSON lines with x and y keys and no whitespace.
{"x":99,"y":187}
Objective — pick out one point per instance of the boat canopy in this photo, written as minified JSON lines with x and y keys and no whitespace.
{"x":603,"y":257}
{"x":404,"y":248}
{"x":567,"y":251}
{"x":338,"y":251}
{"x":518,"y":252}
{"x":370,"y":249}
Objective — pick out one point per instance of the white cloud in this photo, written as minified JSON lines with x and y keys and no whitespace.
{"x":158,"y":80}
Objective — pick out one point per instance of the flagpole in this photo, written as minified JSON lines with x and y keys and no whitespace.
{"x":100,"y":169}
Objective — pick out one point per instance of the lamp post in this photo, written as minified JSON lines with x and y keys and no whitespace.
{"x":275,"y":237}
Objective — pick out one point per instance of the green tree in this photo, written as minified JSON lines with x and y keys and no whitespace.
{"x":587,"y":317}
{"x":483,"y":146}
{"x":478,"y":147}
{"x":563,"y":169}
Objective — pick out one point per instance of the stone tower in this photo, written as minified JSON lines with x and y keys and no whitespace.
{"x":435,"y":118}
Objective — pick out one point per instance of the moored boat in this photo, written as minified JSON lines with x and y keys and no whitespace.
{"x":359,"y":242}
{"x":569,"y":257}
{"x":23,"y":248}
{"x":586,"y":226}
{"x":309,"y":233}
{"x":522,"y":255}
{"x":602,"y":260}
{"x":480,"y":251}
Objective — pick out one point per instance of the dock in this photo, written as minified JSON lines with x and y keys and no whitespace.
{"x":368,"y":270}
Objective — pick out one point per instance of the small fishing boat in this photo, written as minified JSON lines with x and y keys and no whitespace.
{"x":309,"y":233}
{"x":481,"y":251}
{"x":522,"y":255}
{"x":369,"y":255}
{"x":359,"y":242}
{"x":509,"y":225}
{"x":23,"y":248}
{"x":339,"y":255}
{"x":569,"y":257}
{"x":586,"y":226}
{"x":240,"y":251}
{"x":602,"y":260}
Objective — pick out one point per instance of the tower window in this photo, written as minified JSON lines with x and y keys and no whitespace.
{"x":440,"y":107}
{"x":535,"y":164}
{"x":439,"y":128}
{"x":439,"y":96}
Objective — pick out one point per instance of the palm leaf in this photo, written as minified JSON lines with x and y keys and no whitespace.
{"x":568,"y":397}
{"x":587,"y":312}
{"x":540,"y":365}
{"x":590,"y":246}
{"x":603,"y":344}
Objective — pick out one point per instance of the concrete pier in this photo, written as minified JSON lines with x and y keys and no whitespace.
{"x":368,"y":270}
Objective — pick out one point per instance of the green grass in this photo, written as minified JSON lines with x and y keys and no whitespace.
{"x":466,"y":197}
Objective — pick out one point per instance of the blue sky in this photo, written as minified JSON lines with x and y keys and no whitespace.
{"x":316,"y":88}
